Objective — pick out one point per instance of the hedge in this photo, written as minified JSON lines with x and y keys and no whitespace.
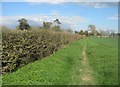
{"x":23,"y":47}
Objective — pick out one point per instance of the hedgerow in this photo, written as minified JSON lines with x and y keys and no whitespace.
{"x":23,"y":47}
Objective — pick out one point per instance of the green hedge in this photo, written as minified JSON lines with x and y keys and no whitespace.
{"x":23,"y":47}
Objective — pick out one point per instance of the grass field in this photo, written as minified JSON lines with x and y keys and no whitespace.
{"x":103,"y":58}
{"x":90,"y":61}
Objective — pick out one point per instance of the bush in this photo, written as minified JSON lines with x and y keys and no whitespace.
{"x":23,"y":47}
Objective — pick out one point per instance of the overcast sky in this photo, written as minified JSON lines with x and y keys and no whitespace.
{"x":76,"y":15}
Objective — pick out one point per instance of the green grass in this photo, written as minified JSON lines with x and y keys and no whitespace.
{"x":62,"y":68}
{"x":103,"y":58}
{"x":55,"y":69}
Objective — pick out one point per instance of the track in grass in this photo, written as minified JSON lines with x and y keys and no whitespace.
{"x":86,"y":71}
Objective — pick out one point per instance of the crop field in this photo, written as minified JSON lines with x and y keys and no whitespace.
{"x":88,"y":61}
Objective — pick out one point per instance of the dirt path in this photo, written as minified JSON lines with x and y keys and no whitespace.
{"x":86,"y":71}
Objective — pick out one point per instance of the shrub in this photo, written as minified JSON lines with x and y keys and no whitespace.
{"x":23,"y":47}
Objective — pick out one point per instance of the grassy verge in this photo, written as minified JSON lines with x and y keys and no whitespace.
{"x":59,"y":68}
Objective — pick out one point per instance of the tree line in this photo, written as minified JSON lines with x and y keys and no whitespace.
{"x":92,"y":31}
{"x":55,"y":25}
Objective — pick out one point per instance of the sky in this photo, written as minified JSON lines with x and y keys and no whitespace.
{"x":74,"y":15}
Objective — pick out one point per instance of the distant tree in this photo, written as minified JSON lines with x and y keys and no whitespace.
{"x":76,"y":32}
{"x":47,"y":25}
{"x":81,"y":32}
{"x":108,"y":32}
{"x":86,"y":33}
{"x":92,"y":29}
{"x":99,"y":34}
{"x":56,"y":25}
{"x":23,"y":25}
{"x":57,"y":21}
{"x":104,"y":32}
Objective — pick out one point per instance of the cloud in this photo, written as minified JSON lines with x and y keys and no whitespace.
{"x":57,"y":1}
{"x":115,"y":17}
{"x":100,"y":4}
{"x":89,"y":3}
{"x":34,"y":2}
{"x":37,"y":20}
